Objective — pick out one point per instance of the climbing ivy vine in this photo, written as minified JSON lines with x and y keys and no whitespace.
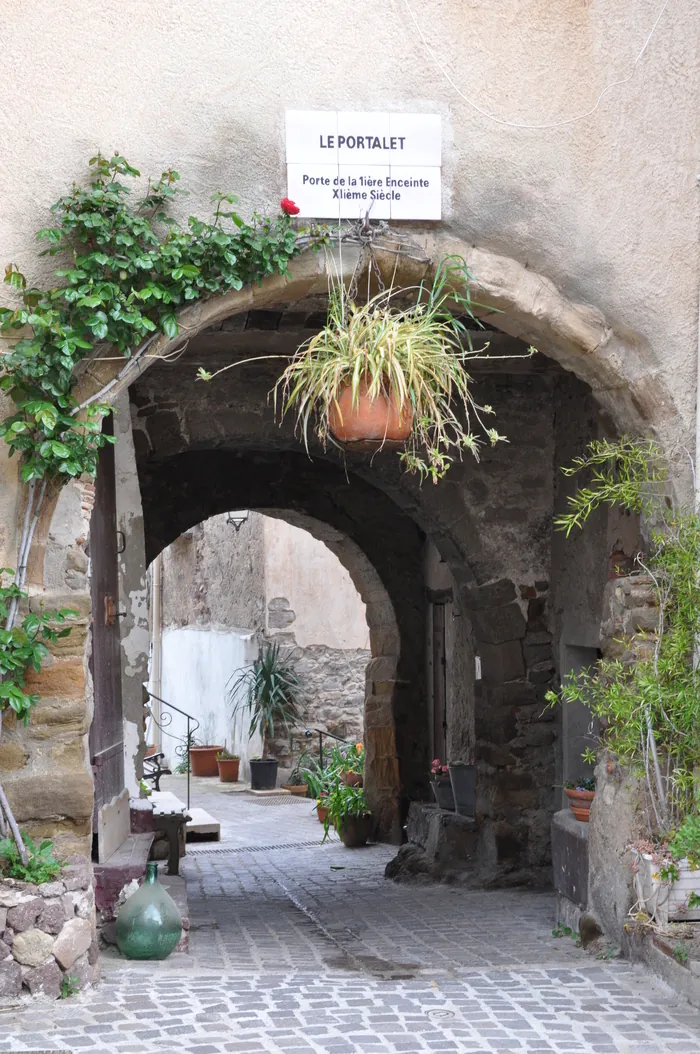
{"x":126,"y":270}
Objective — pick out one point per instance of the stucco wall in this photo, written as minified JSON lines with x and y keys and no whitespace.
{"x":322,"y":604}
{"x":605,"y":206}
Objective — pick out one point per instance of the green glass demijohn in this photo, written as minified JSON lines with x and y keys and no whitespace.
{"x":149,"y":924}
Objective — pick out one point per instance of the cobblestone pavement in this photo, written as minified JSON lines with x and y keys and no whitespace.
{"x":310,"y":950}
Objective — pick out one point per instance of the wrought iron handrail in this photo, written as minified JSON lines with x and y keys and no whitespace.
{"x":192,"y":726}
{"x":321,"y":733}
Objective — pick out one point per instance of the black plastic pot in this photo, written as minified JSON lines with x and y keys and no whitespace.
{"x":442,"y":792}
{"x":463,"y":779}
{"x":263,"y":774}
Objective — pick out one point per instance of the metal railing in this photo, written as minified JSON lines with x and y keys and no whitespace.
{"x":161,"y":723}
{"x":321,"y":733}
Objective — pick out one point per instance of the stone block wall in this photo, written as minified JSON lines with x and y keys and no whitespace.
{"x":44,"y":765}
{"x":48,"y":934}
{"x":515,"y":734}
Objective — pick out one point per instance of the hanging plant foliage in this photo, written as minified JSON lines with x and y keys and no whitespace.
{"x":384,"y":373}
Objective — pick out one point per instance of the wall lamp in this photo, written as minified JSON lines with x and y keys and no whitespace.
{"x":237,"y":519}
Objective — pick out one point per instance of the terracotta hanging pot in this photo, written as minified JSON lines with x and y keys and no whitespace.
{"x":376,"y":421}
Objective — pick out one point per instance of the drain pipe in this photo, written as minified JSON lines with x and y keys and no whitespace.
{"x":157,"y":643}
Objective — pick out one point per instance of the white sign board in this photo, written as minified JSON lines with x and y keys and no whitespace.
{"x":341,"y":165}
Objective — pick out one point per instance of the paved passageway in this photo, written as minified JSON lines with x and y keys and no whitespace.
{"x":298,"y":947}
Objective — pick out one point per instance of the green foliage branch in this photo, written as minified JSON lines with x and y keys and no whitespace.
{"x":126,"y":270}
{"x":649,"y":704}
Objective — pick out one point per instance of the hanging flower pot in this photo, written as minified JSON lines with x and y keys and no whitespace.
{"x":392,"y":371}
{"x":378,"y":420}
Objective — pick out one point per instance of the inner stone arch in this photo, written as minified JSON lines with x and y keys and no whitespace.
{"x":191,"y":487}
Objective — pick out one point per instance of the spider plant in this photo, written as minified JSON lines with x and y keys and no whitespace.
{"x":270,"y":691}
{"x":414,"y":355}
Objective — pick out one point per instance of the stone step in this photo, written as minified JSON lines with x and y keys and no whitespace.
{"x":125,"y":864}
{"x":202,"y":826}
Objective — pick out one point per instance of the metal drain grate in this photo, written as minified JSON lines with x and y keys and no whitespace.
{"x":225,"y":850}
{"x":278,"y":799}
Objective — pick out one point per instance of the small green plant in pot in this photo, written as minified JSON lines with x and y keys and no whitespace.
{"x":381,"y":372}
{"x":347,"y":811}
{"x":228,"y":765}
{"x":269,"y":692}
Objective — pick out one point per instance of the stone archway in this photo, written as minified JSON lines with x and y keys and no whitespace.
{"x":615,"y":366}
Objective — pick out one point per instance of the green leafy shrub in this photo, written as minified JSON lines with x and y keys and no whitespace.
{"x":686,"y":841}
{"x":648,"y":708}
{"x":42,"y":865}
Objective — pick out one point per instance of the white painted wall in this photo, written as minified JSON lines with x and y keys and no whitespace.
{"x":197,"y":664}
{"x":328,"y":609}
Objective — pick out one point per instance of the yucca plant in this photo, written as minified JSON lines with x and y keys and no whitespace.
{"x":414,"y":356}
{"x":270,"y":691}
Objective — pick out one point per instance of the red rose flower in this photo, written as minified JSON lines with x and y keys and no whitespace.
{"x":288,"y":206}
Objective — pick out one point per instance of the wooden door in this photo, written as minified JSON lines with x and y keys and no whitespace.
{"x":439,"y":684}
{"x":106,"y":731}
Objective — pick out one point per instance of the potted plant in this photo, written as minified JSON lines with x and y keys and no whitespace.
{"x":319,"y":781}
{"x":441,"y":785}
{"x":346,"y":810}
{"x":383,"y":372}
{"x":228,"y":766}
{"x":581,"y":795}
{"x":351,"y":762}
{"x":269,"y":691}
{"x":463,"y":780}
{"x":296,"y":784}
{"x":203,"y":759}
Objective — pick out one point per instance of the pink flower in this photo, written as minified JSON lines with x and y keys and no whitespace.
{"x":288,"y":206}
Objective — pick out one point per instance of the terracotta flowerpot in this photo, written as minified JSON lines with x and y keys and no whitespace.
{"x":228,"y":769}
{"x":580,"y":802}
{"x":321,"y":812}
{"x":203,"y":760}
{"x":355,"y":830}
{"x":373,"y":421}
{"x":353,"y":779}
{"x":300,"y":790}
